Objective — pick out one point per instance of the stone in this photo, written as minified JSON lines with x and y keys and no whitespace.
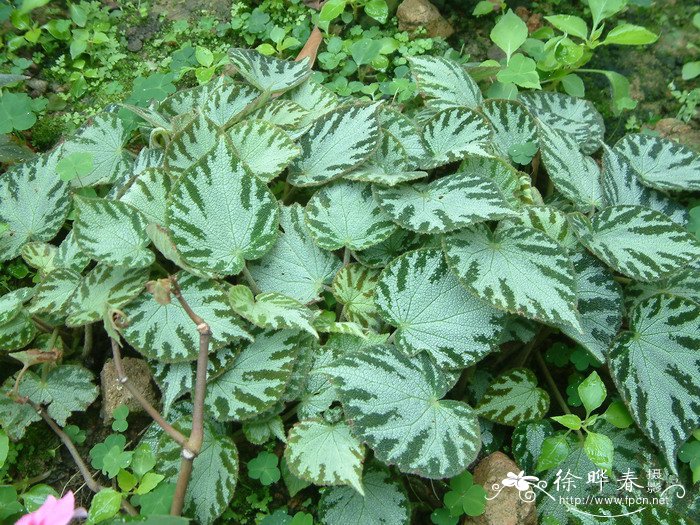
{"x":413,"y":14}
{"x":507,"y":508}
{"x":674,"y":129}
{"x":37,"y":85}
{"x":115,"y":394}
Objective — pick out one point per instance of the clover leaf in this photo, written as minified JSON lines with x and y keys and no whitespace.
{"x":466,"y":497}
{"x":16,"y":112}
{"x":264,"y":468}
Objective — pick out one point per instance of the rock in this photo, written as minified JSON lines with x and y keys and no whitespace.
{"x":114,"y":394}
{"x":38,"y":86}
{"x":507,"y":508}
{"x":413,"y":14}
{"x":680,"y":131}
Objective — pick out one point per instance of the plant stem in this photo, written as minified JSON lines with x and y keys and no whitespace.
{"x":87,"y":341}
{"x":251,"y":282}
{"x":347,"y":256}
{"x":553,"y":387}
{"x":90,"y":481}
{"x":194,"y":444}
{"x":123,"y":380}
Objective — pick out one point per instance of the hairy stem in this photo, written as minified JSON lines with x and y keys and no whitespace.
{"x":553,"y":387}
{"x":87,"y":341}
{"x":347,"y":256}
{"x":194,"y":444}
{"x":251,"y":282}
{"x":123,"y":380}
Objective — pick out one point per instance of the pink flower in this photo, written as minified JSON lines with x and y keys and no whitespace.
{"x":53,"y":512}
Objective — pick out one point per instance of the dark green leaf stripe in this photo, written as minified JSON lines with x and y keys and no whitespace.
{"x":662,"y":163}
{"x":573,"y":117}
{"x":446,"y":204}
{"x":268,"y":73}
{"x":384,"y":503}
{"x":187,"y":147}
{"x":445,"y":81}
{"x":55,"y":292}
{"x":685,"y":283}
{"x":345,"y":214}
{"x":406,"y":133}
{"x":263,"y":148}
{"x":574,"y":174}
{"x":621,"y":185}
{"x":227,"y":101}
{"x":433,"y":313}
{"x":258,"y":377}
{"x":214,"y":470}
{"x":112,"y":232}
{"x":102,"y":288}
{"x":638,"y":242}
{"x":518,"y":269}
{"x":337,"y":142}
{"x":394,"y":403}
{"x":104,"y":138}
{"x":656,"y":368}
{"x":600,"y":304}
{"x":165,"y":331}
{"x":149,"y":193}
{"x":549,"y":221}
{"x":513,"y":397}
{"x":35,"y":203}
{"x":295,"y":266}
{"x":220,"y":216}
{"x":512,"y":124}
{"x":454,"y":133}
{"x":17,"y":333}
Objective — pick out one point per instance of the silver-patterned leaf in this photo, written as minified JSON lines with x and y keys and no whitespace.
{"x":404,"y":130}
{"x":284,"y":113}
{"x":518,"y":269}
{"x":433,"y":313}
{"x":549,"y":221}
{"x":384,"y":503}
{"x":394,"y":403}
{"x":295,"y":266}
{"x":662,"y":163}
{"x":325,"y":454}
{"x":354,"y":288}
{"x":70,"y":255}
{"x":445,"y":81}
{"x":258,"y":377}
{"x":314,"y":98}
{"x":638,"y":242}
{"x":149,"y":193}
{"x":574,"y":117}
{"x":64,"y":390}
{"x":388,"y":166}
{"x":35,"y":203}
{"x":214,"y":470}
{"x":600,"y":304}
{"x":513,"y":398}
{"x":15,"y":417}
{"x":11,"y":303}
{"x":656,"y":368}
{"x":165,"y":331}
{"x":227,"y":100}
{"x":345,"y":214}
{"x":17,"y":333}
{"x":445,"y":204}
{"x":264,"y":149}
{"x":187,"y":147}
{"x":512,"y":124}
{"x":104,"y":139}
{"x":514,"y":185}
{"x":55,"y":292}
{"x":337,"y":142}
{"x":621,"y":185}
{"x":685,"y":283}
{"x":103,"y":288}
{"x":272,"y":310}
{"x":220,"y":216}
{"x":163,"y":241}
{"x":455,"y":133}
{"x":269,"y":74}
{"x":112,"y":232}
{"x":574,"y":174}
{"x":40,"y":256}
{"x":389,"y":249}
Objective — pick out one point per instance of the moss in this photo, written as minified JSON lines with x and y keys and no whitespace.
{"x":47,"y":131}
